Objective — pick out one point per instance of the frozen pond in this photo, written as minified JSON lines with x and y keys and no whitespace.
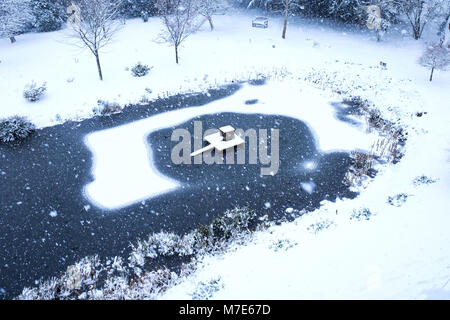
{"x":48,"y":220}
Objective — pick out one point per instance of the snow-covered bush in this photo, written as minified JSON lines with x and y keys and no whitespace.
{"x":398,"y":200}
{"x":15,"y":18}
{"x":34,"y":92}
{"x":48,"y":15}
{"x":360,"y":214}
{"x":15,"y":128}
{"x":423,"y":180}
{"x":320,"y":225}
{"x":233,"y":225}
{"x":362,"y":161}
{"x":106,"y":108}
{"x":140,"y":70}
{"x":206,"y":290}
{"x":282,"y":244}
{"x":138,"y":8}
{"x":161,"y":243}
{"x":358,"y":103}
{"x":224,"y":228}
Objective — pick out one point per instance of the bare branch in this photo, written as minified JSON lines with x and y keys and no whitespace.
{"x":96,"y":25}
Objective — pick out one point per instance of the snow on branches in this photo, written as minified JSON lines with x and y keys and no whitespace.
{"x":435,"y":57}
{"x":15,"y":15}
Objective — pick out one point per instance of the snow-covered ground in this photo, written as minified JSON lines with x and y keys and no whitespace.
{"x":233,"y":51}
{"x":402,"y":251}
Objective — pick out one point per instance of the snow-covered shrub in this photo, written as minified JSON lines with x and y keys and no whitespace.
{"x":284,"y":244}
{"x":90,"y":279}
{"x":138,"y":8}
{"x":15,"y":18}
{"x":360,"y":168}
{"x":106,"y":108}
{"x":362,"y":161}
{"x":161,"y":244}
{"x":206,"y":290}
{"x":83,"y":276}
{"x":258,"y":80}
{"x":73,"y":281}
{"x":320,"y":225}
{"x":48,"y":15}
{"x":374,"y":119}
{"x":360,"y":214}
{"x":15,"y":128}
{"x":359,"y":104}
{"x":34,"y":92}
{"x":140,"y":70}
{"x":423,"y":180}
{"x":398,"y":200}
{"x":230,"y":226}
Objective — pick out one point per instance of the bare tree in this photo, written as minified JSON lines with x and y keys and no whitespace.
{"x":419,"y":13}
{"x":96,"y":25}
{"x":435,"y":57}
{"x":181,"y":19}
{"x":208,"y":8}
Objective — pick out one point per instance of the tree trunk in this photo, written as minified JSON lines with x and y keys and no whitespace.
{"x":431,"y":76}
{"x":417,"y":30}
{"x":99,"y":67}
{"x":286,"y":15}
{"x":416,"y":33}
{"x":211,"y":23}
{"x":176,"y":53}
{"x":12,"y":39}
{"x":443,"y":29}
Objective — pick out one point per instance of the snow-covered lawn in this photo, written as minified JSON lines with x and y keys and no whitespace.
{"x":401,"y":251}
{"x":233,"y":51}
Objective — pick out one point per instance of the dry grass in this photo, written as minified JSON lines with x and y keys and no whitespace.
{"x":385,"y":149}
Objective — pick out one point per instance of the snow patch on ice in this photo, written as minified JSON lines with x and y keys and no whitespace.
{"x":308,"y":186}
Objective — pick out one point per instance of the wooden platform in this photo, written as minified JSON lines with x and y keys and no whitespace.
{"x":216,"y":141}
{"x":220,"y":144}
